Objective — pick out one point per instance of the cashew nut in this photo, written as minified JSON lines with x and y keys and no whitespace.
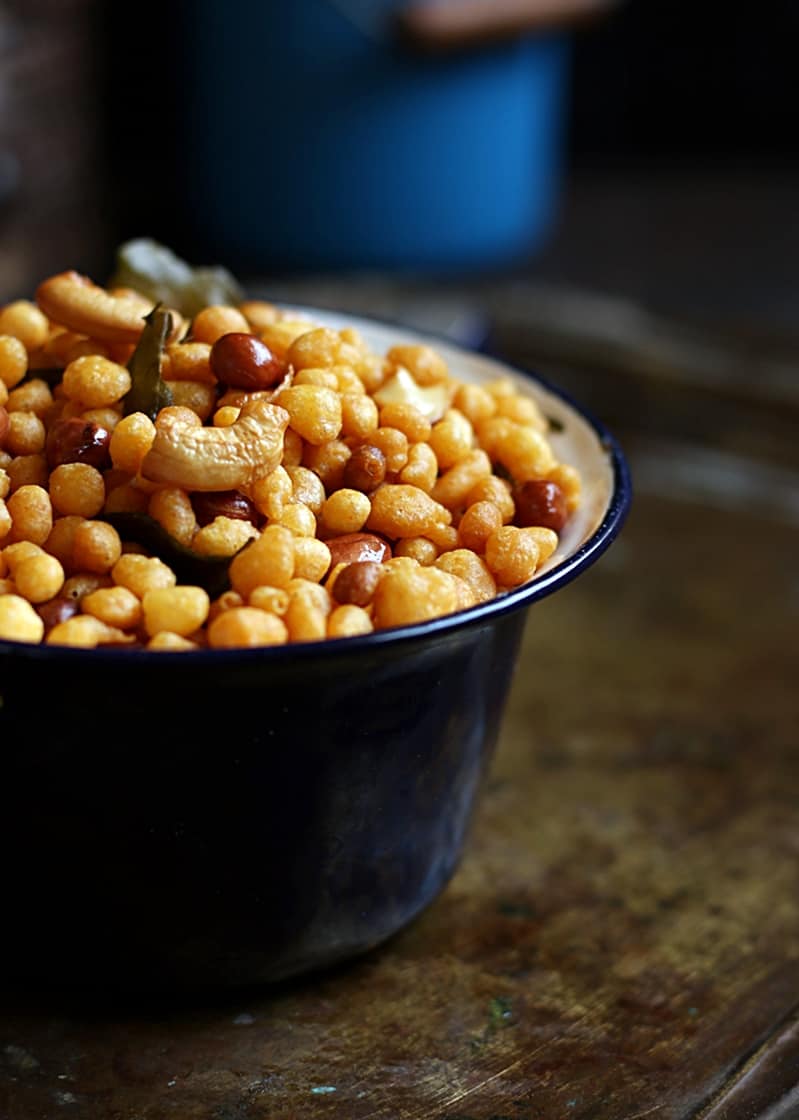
{"x":431,"y":400}
{"x":199,"y":458}
{"x":75,"y":302}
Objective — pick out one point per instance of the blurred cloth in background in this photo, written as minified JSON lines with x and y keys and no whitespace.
{"x":680,"y":151}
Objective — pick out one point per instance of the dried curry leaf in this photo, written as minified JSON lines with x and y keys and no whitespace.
{"x":210,"y":572}
{"x":155,"y":271}
{"x":148,"y":392}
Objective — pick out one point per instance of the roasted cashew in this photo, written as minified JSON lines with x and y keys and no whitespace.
{"x":200,"y":458}
{"x":75,"y":302}
{"x":431,"y":400}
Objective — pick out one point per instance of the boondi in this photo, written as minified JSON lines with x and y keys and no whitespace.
{"x":319,"y":490}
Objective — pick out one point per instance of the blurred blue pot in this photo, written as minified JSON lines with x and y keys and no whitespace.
{"x":316,"y":142}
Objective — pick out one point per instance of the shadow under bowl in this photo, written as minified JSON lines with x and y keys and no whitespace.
{"x":233,"y":817}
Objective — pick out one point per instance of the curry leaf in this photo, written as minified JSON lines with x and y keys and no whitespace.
{"x":155,"y":271}
{"x":148,"y":393}
{"x":210,"y":572}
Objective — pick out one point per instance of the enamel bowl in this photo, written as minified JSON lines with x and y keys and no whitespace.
{"x":232,"y":817}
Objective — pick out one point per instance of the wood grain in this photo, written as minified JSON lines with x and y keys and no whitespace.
{"x":622,"y":940}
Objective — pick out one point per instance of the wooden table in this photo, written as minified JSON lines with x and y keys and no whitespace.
{"x":622,"y":939}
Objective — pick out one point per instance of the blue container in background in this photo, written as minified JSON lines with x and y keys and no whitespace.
{"x":315,"y":142}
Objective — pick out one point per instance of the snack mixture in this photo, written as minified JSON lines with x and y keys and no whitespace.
{"x":247,"y":478}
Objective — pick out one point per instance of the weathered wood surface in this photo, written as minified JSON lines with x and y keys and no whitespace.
{"x":622,"y":940}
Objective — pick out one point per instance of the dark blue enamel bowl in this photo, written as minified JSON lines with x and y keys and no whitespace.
{"x":232,"y":817}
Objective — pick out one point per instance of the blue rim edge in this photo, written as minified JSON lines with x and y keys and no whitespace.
{"x":541,"y":586}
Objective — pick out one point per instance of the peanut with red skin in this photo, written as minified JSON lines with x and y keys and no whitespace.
{"x":225,"y":503}
{"x":78,"y":441}
{"x":243,"y":361}
{"x":539,"y":502}
{"x":57,"y":610}
{"x":352,"y":548}
{"x":356,"y":583}
{"x":365,"y":469}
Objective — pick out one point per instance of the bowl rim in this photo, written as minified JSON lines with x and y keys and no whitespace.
{"x":541,"y":586}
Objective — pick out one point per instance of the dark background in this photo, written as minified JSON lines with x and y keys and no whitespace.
{"x":681,"y":153}
{"x":698,"y":85}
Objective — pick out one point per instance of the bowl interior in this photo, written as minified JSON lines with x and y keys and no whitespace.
{"x":574,"y":439}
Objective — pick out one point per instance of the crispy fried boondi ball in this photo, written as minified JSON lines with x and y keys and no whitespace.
{"x":338,"y":490}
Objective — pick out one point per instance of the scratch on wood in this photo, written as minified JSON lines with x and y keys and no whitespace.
{"x":458,"y":1097}
{"x":519,"y":1061}
{"x":488,"y":1080}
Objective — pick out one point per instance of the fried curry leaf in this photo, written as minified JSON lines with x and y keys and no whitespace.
{"x":155,"y":271}
{"x":210,"y":572}
{"x":148,"y":393}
